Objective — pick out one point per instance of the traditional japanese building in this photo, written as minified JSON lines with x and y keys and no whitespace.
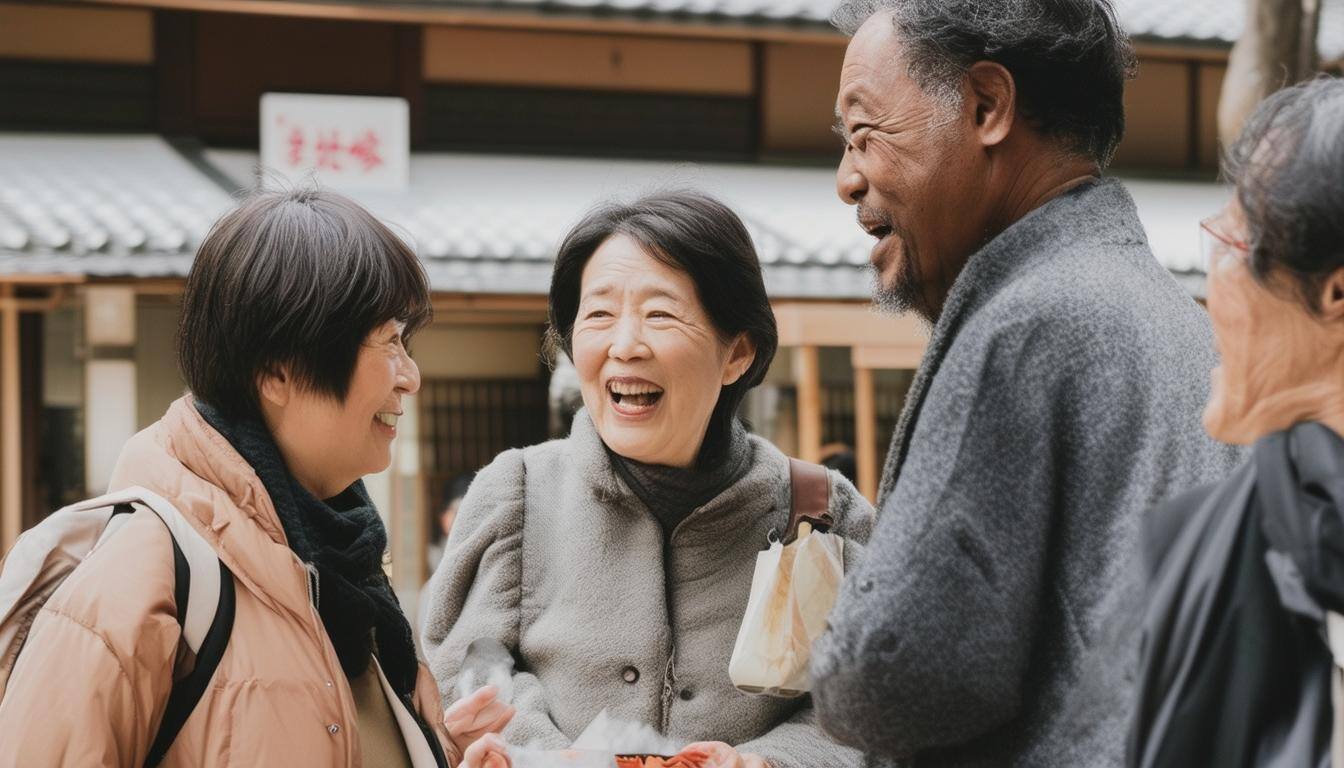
{"x":127,"y":127}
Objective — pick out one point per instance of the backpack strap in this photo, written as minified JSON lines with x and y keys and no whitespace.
{"x":201,"y":559}
{"x":811,"y":498}
{"x":187,"y":691}
{"x":203,"y":593}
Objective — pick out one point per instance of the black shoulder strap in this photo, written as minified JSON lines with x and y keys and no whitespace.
{"x":187,"y":691}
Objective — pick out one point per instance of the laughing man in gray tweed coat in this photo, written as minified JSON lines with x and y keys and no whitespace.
{"x":991,"y":622}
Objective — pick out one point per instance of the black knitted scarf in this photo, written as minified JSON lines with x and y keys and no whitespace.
{"x":344,"y":538}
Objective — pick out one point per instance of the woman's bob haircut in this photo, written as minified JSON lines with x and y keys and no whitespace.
{"x":700,"y":236}
{"x":292,"y":281}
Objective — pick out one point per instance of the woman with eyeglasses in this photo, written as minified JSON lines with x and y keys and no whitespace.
{"x":1246,"y":578}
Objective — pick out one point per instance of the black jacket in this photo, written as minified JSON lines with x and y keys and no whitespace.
{"x":1236,"y":667}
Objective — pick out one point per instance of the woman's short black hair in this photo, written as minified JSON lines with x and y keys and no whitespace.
{"x":294,"y":279}
{"x":1288,"y":167}
{"x":695,"y":233}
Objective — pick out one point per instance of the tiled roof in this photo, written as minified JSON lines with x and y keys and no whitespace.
{"x":100,"y":205}
{"x":1216,"y":22}
{"x":481,"y":223}
{"x":492,"y":223}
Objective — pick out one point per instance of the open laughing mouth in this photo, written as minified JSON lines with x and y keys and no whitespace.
{"x":387,"y":419}
{"x":632,"y":396}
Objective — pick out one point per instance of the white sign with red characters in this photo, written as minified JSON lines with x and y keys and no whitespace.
{"x":350,"y":142}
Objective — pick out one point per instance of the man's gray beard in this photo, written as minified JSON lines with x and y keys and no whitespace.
{"x":901,"y":297}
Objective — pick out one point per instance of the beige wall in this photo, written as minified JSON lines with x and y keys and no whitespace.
{"x":158,"y":383}
{"x":798,"y":86}
{"x":114,"y":35}
{"x":563,"y":60}
{"x":466,"y":352}
{"x":1157,"y":117}
{"x":441,"y":352}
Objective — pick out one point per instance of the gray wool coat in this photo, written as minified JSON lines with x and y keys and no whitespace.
{"x":992,"y":622}
{"x":554,"y":556}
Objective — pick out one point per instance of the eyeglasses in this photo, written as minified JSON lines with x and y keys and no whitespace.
{"x":1215,"y":248}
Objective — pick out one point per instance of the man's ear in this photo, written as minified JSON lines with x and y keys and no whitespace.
{"x":1332,"y":296}
{"x":991,"y":91}
{"x":275,"y":386}
{"x":740,"y":358}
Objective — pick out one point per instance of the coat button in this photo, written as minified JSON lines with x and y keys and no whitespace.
{"x":687,"y":694}
{"x":333,"y":729}
{"x":630,"y":675}
{"x":866,"y":586}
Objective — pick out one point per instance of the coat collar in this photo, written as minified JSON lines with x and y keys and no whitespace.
{"x":767,"y":478}
{"x":1034,"y":239}
{"x":183,"y":458}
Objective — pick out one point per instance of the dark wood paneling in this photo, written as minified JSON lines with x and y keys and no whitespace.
{"x":410,"y":78}
{"x":240,"y":57}
{"x":465,"y":423}
{"x":69,"y":96}
{"x":174,"y":71}
{"x":499,"y":118}
{"x":30,"y":404}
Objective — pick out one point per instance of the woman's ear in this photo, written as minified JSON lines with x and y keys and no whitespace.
{"x":740,"y":357}
{"x":1332,"y":296}
{"x":275,"y":386}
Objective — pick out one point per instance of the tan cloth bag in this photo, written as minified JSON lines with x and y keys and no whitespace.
{"x":792,"y":592}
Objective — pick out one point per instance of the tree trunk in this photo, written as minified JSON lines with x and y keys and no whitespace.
{"x":1277,"y":48}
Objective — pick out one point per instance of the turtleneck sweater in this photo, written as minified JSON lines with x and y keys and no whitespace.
{"x":672,"y":493}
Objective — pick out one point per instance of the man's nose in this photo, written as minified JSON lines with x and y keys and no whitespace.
{"x":849,"y":183}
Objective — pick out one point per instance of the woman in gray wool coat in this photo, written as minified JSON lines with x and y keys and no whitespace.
{"x":615,"y":564}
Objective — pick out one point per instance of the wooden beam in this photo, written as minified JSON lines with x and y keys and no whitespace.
{"x":44,"y":280}
{"x":807,"y":374}
{"x":865,"y":432}
{"x":1157,"y":50}
{"x":887,"y":358}
{"x":588,"y":61}
{"x":835,"y":324}
{"x":11,"y":426}
{"x":499,"y":18}
{"x":52,"y":32}
{"x":475,"y":302}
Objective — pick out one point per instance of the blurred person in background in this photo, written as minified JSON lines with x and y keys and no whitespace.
{"x":840,"y":457}
{"x":615,"y":564}
{"x":1247,"y":576}
{"x":441,"y":522}
{"x":295,"y":322}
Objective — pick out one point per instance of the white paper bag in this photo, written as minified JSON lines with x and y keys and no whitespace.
{"x":792,"y":593}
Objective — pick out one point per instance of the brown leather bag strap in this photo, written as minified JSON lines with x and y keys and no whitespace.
{"x":811,"y":498}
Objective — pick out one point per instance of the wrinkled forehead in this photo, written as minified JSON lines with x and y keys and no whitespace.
{"x":874,"y":71}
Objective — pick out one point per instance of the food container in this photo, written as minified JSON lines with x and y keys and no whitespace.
{"x":656,"y":761}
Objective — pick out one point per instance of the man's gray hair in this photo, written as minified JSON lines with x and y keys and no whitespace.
{"x":1069,"y":58}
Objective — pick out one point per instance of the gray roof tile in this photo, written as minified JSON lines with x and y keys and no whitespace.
{"x":482,"y":224}
{"x":1217,"y":22}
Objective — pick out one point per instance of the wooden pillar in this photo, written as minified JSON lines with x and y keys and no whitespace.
{"x":405,"y":513}
{"x":807,"y":373}
{"x":11,"y":426}
{"x":111,"y":390}
{"x":865,"y":432}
